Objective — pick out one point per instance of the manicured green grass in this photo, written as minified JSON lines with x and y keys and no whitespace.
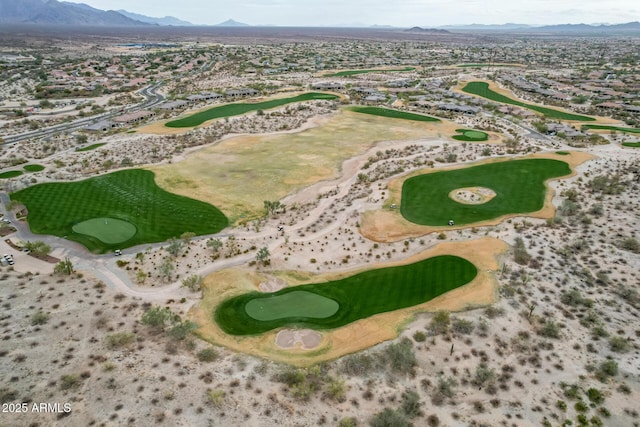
{"x":292,"y":304}
{"x":34,"y":168}
{"x":519,"y":186}
{"x":611,"y":128}
{"x":107,"y":230}
{"x":631,"y":144}
{"x":563,"y":153}
{"x":348,"y":73}
{"x":471,"y":135}
{"x":10,"y":174}
{"x":130,"y":195}
{"x":358,"y":296}
{"x":237,"y":109}
{"x":91,"y":147}
{"x":484,"y":65}
{"x":394,"y":114}
{"x":482,"y":89}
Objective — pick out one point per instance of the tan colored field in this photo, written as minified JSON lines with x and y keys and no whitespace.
{"x":239,"y":173}
{"x":390,"y":226}
{"x":356,"y":336}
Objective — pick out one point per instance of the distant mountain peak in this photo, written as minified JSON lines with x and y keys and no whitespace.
{"x":426,"y":30}
{"x":167,"y":20}
{"x":231,"y":23}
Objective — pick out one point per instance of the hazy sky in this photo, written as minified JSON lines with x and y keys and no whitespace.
{"x":405,"y":13}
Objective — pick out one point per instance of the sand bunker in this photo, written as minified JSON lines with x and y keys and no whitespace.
{"x":305,"y":339}
{"x":274,"y":284}
{"x":472,"y":195}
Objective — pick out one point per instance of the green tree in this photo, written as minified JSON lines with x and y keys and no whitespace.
{"x":263,"y":255}
{"x":214,"y":244}
{"x":175,"y":247}
{"x":193,"y":282}
{"x":64,"y":267}
{"x":187,"y":236}
{"x":157,"y":317}
{"x":166,"y":268}
{"x":38,"y":247}
{"x":271,"y":207}
{"x":440,"y":323}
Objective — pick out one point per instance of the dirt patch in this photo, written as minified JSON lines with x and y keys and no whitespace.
{"x":472,"y":195}
{"x":305,"y":339}
{"x":483,"y":253}
{"x":391,"y":226}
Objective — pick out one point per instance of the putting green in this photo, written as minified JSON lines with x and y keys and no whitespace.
{"x":107,"y":230}
{"x":293,"y":304}
{"x":336,"y":303}
{"x":471,"y":135}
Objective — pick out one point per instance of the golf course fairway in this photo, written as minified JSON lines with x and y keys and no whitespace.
{"x":337,"y":303}
{"x":116,"y":211}
{"x":519,"y":186}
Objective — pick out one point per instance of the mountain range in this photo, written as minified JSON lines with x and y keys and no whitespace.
{"x":67,"y":13}
{"x":54,"y":12}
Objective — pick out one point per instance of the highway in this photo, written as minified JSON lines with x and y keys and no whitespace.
{"x":153,"y":98}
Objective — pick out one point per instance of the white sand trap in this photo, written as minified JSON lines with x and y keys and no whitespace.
{"x":472,"y":195}
{"x":305,"y":339}
{"x":272,"y":285}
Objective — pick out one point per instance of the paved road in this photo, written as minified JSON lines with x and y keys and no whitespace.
{"x":153,"y":98}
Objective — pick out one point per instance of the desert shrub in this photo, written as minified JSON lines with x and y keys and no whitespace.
{"x":193,"y":282}
{"x":483,"y":375}
{"x":358,"y":365}
{"x":580,"y":406}
{"x":400,"y":356}
{"x":348,"y":422}
{"x":40,"y":318}
{"x":181,"y":330}
{"x":390,"y":418}
{"x":619,"y":344}
{"x":411,"y":404}
{"x":463,"y":326}
{"x":419,"y":336}
{"x":595,"y":396}
{"x":207,"y":355}
{"x":520,"y":254}
{"x":157,"y":317}
{"x":336,"y":389}
{"x":630,"y":244}
{"x":69,"y":381}
{"x":607,"y":369}
{"x":120,"y":339}
{"x":492,"y":312}
{"x":550,"y":329}
{"x":216,"y":397}
{"x":440,"y":323}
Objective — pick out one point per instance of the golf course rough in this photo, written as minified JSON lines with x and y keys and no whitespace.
{"x":519,"y":186}
{"x":482,"y":89}
{"x":10,"y":174}
{"x":393,"y":114}
{"x":128,"y":200}
{"x":239,"y":108}
{"x":470,"y":135}
{"x":357,"y":297}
